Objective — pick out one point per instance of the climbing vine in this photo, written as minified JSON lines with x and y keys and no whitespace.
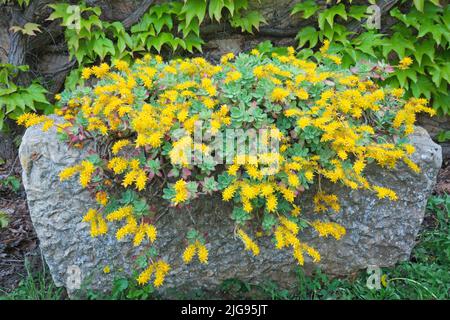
{"x":419,"y":30}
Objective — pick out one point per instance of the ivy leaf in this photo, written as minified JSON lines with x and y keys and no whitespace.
{"x":192,"y":41}
{"x":397,"y":43}
{"x":424,"y":48}
{"x":229,"y":4}
{"x":252,"y":20}
{"x":165,"y":20}
{"x":103,"y":47}
{"x":161,"y":9}
{"x":410,"y":19}
{"x":358,"y":12}
{"x":403,"y":75}
{"x":424,"y":86}
{"x":367,"y":41}
{"x":29,"y":29}
{"x":308,"y":8}
{"x":158,"y":41}
{"x":308,"y":34}
{"x":427,"y":26}
{"x":59,"y":11}
{"x":194,"y":8}
{"x":215,"y":9}
{"x":441,"y":71}
{"x":419,"y":4}
{"x":328,"y":15}
{"x":192,"y":27}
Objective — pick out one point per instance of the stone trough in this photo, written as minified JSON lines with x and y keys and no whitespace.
{"x":379,"y":232}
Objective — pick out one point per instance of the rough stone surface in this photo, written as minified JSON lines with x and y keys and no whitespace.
{"x":379,"y":232}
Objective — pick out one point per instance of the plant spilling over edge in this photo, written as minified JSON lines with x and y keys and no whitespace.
{"x":327,"y":122}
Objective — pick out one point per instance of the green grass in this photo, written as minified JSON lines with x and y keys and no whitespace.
{"x":425,"y":276}
{"x":34,"y":286}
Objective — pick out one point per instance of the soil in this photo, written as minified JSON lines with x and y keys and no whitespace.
{"x":18,"y":240}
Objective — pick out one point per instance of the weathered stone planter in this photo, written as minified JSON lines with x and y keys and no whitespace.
{"x":379,"y":232}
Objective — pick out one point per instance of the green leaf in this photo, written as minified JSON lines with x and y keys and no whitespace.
{"x":397,"y":43}
{"x":239,"y":215}
{"x":215,"y":9}
{"x":328,"y":15}
{"x":29,"y":29}
{"x":229,"y":4}
{"x":307,"y":34}
{"x":308,"y":8}
{"x":403,"y":75}
{"x":252,"y":20}
{"x":419,"y":4}
{"x":165,"y":20}
{"x":4,"y":219}
{"x":368,"y":41}
{"x":424,"y":86}
{"x":358,"y":12}
{"x":425,"y":47}
{"x":427,"y":26}
{"x":160,"y":40}
{"x":194,"y":8}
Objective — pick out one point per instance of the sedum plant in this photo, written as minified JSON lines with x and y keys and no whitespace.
{"x":313,"y":120}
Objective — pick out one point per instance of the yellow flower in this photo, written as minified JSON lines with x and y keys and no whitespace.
{"x":118,"y":165}
{"x":385,"y":193}
{"x":151,"y":232}
{"x":120,"y":213}
{"x":102,"y":198}
{"x":405,"y":63}
{"x":69,"y":172}
{"x":329,"y":228}
{"x":106,"y":269}
{"x":121,"y":65}
{"x":86,"y":73}
{"x":254,"y":52}
{"x":325,"y":46}
{"x":202,"y":252}
{"x":303,"y":122}
{"x":359,"y":166}
{"x":279,"y":94}
{"x":227,"y":57}
{"x":248,"y":242}
{"x":228,"y":192}
{"x":293,"y":180}
{"x":119,"y":145}
{"x":145,"y":275}
{"x":141,"y":180}
{"x":100,"y":71}
{"x":86,"y":171}
{"x":189,"y":253}
{"x":271,"y":203}
{"x":181,"y":192}
{"x":232,"y":76}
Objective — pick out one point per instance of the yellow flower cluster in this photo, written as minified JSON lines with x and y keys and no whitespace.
{"x":329,"y":228}
{"x":196,"y":248}
{"x":248,"y":242}
{"x":32,"y":119}
{"x":286,"y":235}
{"x":159,"y":268}
{"x":147,"y":114}
{"x":405,"y":63}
